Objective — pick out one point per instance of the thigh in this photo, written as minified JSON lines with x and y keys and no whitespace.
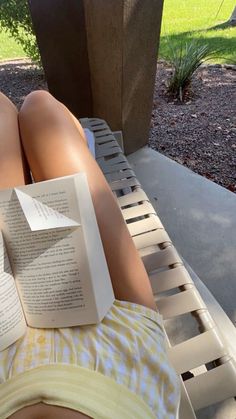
{"x":13,"y":168}
{"x":42,"y":410}
{"x":54,"y":147}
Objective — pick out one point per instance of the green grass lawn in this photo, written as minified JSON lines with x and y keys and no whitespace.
{"x":9,"y":48}
{"x":182,"y":20}
{"x":199,"y":19}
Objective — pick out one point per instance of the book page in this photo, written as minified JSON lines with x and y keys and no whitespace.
{"x":50,"y":265}
{"x":12,"y":322}
{"x":101,"y":281}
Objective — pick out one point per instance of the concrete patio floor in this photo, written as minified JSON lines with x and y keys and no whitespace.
{"x":200,"y":217}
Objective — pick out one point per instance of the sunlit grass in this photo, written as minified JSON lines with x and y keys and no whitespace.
{"x":9,"y":48}
{"x":190,"y":19}
{"x":182,"y":20}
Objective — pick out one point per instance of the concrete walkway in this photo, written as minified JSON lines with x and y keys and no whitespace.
{"x":199,"y":216}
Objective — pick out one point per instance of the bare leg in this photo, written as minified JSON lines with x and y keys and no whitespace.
{"x":54,"y":147}
{"x":12,"y":163}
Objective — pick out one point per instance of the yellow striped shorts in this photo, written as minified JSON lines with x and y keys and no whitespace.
{"x":123,"y":357}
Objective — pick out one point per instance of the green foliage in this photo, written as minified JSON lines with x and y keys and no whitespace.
{"x":185,"y":58}
{"x":15,"y":18}
{"x":9,"y":48}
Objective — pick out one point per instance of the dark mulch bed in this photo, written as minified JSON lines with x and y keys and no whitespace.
{"x":200,"y":134}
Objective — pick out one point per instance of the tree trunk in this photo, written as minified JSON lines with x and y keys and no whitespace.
{"x":232,"y":19}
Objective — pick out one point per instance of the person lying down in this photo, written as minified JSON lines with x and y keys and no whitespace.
{"x":119,"y":367}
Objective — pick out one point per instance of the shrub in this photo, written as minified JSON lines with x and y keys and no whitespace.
{"x":185,"y":58}
{"x":15,"y":18}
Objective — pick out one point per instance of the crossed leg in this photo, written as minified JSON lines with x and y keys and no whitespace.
{"x":55,"y":146}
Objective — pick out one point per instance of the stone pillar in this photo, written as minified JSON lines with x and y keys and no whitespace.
{"x":121,"y":38}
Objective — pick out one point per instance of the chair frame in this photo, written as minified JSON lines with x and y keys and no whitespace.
{"x":206,"y":355}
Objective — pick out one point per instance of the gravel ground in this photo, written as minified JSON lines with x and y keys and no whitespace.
{"x":18,"y":78}
{"x":200,"y":134}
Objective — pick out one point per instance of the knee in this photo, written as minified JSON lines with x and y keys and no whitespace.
{"x":6,"y":105}
{"x":36,"y":100}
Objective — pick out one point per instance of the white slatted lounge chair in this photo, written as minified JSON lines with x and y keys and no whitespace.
{"x":208,"y":354}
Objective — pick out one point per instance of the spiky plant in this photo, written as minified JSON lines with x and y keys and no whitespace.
{"x":185,"y":58}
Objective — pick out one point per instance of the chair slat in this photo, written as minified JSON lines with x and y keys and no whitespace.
{"x":138,"y":210}
{"x":100,"y":141}
{"x":105,"y":144}
{"x":125,"y":183}
{"x":113,"y":168}
{"x":213,"y":386}
{"x":119,"y":175}
{"x":101,"y":131}
{"x":152,"y":222}
{"x":132,"y":198}
{"x":151,"y":238}
{"x":120,"y":158}
{"x":182,"y":303}
{"x":189,"y":354}
{"x":109,"y":150}
{"x":157,"y":260}
{"x":169,"y":279}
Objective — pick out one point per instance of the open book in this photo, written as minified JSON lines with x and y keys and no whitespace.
{"x":53,"y":271}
